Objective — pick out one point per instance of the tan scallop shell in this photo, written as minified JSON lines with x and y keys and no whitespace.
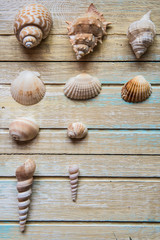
{"x":136,"y":90}
{"x":27,"y":88}
{"x":73,"y":175}
{"x":32,"y":24}
{"x":141,"y":34}
{"x":82,"y":87}
{"x":24,"y":175}
{"x":23,"y":129}
{"x":77,"y":130}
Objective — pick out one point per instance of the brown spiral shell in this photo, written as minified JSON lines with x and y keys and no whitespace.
{"x":73,"y":175}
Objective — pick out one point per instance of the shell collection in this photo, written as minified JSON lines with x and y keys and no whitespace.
{"x":24,"y":175}
{"x":77,"y":130}
{"x":73,"y":176}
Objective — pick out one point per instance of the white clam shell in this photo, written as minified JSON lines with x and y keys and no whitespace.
{"x":77,"y":130}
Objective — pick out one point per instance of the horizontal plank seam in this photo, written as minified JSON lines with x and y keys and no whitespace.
{"x":77,"y":154}
{"x":95,"y":129}
{"x":107,"y":61}
{"x":66,"y":34}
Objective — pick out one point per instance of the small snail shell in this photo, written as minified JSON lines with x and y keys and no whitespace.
{"x":77,"y":130}
{"x":24,"y":175}
{"x":23,"y":129}
{"x":32,"y":24}
{"x":27,"y":88}
{"x":73,"y":175}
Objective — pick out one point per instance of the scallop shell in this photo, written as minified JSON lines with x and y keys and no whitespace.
{"x":136,"y":90}
{"x":32,"y":24}
{"x":86,"y":31}
{"x":23,"y":129}
{"x":82,"y":87}
{"x":24,"y":175}
{"x":27,"y":88}
{"x":73,"y":175}
{"x":77,"y":130}
{"x":141,"y":34}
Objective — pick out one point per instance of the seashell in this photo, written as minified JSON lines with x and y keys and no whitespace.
{"x":27,"y":88}
{"x":141,"y":34}
{"x":136,"y":90}
{"x":73,"y":175}
{"x":24,"y":175}
{"x":86,"y":31}
{"x":83,"y":86}
{"x":23,"y":129}
{"x":32,"y":24}
{"x":77,"y":130}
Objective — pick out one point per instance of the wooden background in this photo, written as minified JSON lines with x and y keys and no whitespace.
{"x":119,"y":188}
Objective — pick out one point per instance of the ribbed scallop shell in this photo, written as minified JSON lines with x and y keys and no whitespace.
{"x":32,"y":24}
{"x":86,"y":31}
{"x":23,"y":129}
{"x":77,"y":130}
{"x":73,"y":175}
{"x":24,"y":175}
{"x":82,"y":87}
{"x":141,"y":34}
{"x":27,"y":88}
{"x":136,"y":90}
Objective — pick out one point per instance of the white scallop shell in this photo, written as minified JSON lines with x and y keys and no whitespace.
{"x":77,"y":130}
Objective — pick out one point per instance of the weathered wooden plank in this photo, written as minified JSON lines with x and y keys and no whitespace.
{"x":90,"y":165}
{"x":57,"y":111}
{"x":59,"y":73}
{"x":120,"y":13}
{"x":82,"y":231}
{"x":98,"y":200}
{"x":96,"y":142}
{"x":58,"y":48}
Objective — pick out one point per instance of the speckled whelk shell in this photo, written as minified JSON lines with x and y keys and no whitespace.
{"x":32,"y":24}
{"x":23,"y":129}
{"x":73,"y":175}
{"x":82,"y":87}
{"x":27,"y":88}
{"x":86,"y":31}
{"x":136,"y":90}
{"x":77,"y":130}
{"x":141,"y":34}
{"x":24,"y":175}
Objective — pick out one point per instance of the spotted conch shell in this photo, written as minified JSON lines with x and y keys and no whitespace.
{"x":141,"y":34}
{"x":32,"y":24}
{"x":24,"y":175}
{"x":73,"y":175}
{"x":86,"y":31}
{"x":77,"y":130}
{"x":136,"y":90}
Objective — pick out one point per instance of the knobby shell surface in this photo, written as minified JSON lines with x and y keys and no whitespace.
{"x":73,"y":175}
{"x":23,"y":129}
{"x":32,"y":24}
{"x":77,"y":130}
{"x":136,"y":90}
{"x":82,"y":87}
{"x":141,"y":34}
{"x":24,"y":175}
{"x":86,"y":31}
{"x":27,"y":88}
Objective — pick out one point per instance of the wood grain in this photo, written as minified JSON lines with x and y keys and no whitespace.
{"x":57,"y":111}
{"x":59,"y":73}
{"x":96,"y":142}
{"x":58,"y":48}
{"x":120,"y":13}
{"x":90,"y":165}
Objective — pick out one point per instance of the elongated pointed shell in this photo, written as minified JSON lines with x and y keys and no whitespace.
{"x":27,"y":88}
{"x":86,"y":31}
{"x":32,"y":24}
{"x":136,"y":90}
{"x":24,"y":175}
{"x":73,"y":175}
{"x":23,"y":129}
{"x":77,"y":130}
{"x":82,"y":87}
{"x":141,"y":34}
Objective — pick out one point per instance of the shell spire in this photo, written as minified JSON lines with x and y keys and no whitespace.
{"x":86,"y":31}
{"x":24,"y":175}
{"x":73,"y":175}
